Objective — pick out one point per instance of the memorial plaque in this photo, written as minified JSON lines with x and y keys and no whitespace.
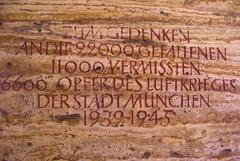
{"x":93,"y":80}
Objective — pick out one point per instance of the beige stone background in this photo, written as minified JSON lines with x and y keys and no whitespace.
{"x":27,"y":134}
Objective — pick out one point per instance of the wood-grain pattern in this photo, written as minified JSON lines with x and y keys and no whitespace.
{"x":30,"y":134}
